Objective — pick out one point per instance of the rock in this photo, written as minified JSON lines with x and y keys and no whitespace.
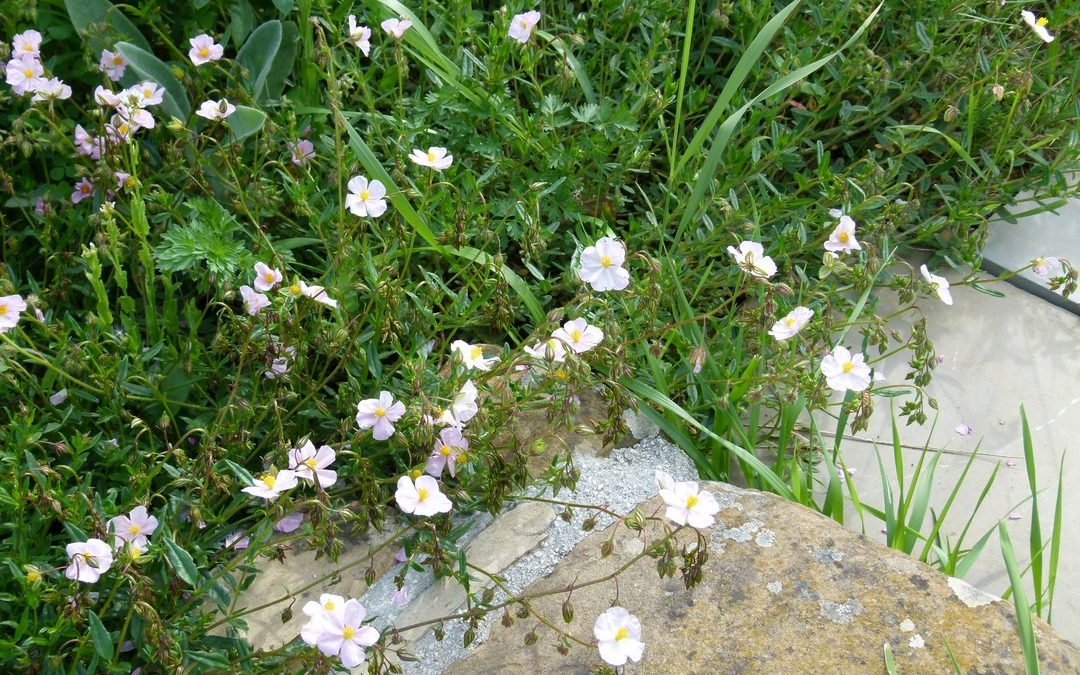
{"x":512,"y":535}
{"x":784,"y":590}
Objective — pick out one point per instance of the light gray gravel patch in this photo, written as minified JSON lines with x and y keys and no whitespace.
{"x":620,"y":482}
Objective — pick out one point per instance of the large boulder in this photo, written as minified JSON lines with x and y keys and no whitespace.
{"x":785,"y":590}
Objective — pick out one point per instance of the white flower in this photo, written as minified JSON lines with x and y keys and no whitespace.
{"x":522,"y":25}
{"x":113,"y":64}
{"x":618,"y":635}
{"x":552,"y":349}
{"x":462,"y":409}
{"x":215,"y":111}
{"x":270,"y":486}
{"x":328,"y":602}
{"x":791,"y":324}
{"x":51,"y":89}
{"x":310,"y":464}
{"x":843,"y":237}
{"x":146,"y":94}
{"x":359,"y":36}
{"x":253,"y":302}
{"x":435,"y":157}
{"x":135,"y":116}
{"x":473,"y":355}
{"x":686,"y":504}
{"x":88,"y":145}
{"x":366,"y":199}
{"x":450,"y":446}
{"x":844,"y":370}
{"x":963,"y":430}
{"x":939,"y":284}
{"x":750,"y":256}
{"x":204,"y":50}
{"x":104,"y":97}
{"x":24,"y":74}
{"x":1038,"y":25}
{"x":318,"y":294}
{"x":26,"y":44}
{"x":88,"y":560}
{"x":1046,"y":267}
{"x":266,"y":277}
{"x":396,"y":27}
{"x":601,"y":265}
{"x":11,"y":306}
{"x":421,"y":498}
{"x":379,"y":415}
{"x":579,"y":335}
{"x":341,"y":633}
{"x":134,"y":528}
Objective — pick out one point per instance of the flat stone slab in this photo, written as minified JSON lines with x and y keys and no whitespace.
{"x":784,"y":590}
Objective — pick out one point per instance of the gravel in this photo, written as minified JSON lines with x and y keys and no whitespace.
{"x":620,"y":481}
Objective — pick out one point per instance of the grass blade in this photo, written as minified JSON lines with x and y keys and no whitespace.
{"x":1035,"y":542}
{"x":1023,"y":611}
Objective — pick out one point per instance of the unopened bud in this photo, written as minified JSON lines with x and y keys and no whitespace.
{"x":567,"y":611}
{"x":950,"y":113}
{"x":998,"y":92}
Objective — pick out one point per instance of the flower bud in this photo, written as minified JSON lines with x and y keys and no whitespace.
{"x":950,"y":113}
{"x":567,"y":611}
{"x":998,"y":92}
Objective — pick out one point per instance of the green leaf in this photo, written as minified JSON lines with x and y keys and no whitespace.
{"x":284,"y":6}
{"x":103,"y":642}
{"x":245,"y":122}
{"x":536,"y":310}
{"x":283,"y":62}
{"x":257,"y":57}
{"x":88,"y":15}
{"x":239,"y":471}
{"x":150,"y":67}
{"x":1023,"y":611}
{"x":182,"y":562}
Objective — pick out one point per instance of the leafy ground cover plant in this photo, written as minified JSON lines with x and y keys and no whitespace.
{"x":269,"y":267}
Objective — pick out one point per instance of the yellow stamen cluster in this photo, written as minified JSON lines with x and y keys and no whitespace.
{"x":622,"y":634}
{"x":422,"y":494}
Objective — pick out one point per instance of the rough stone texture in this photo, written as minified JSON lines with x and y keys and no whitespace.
{"x":512,"y":535}
{"x":300,"y":568}
{"x":810,"y":597}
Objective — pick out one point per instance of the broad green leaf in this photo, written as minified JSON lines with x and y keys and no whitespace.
{"x":99,"y":635}
{"x":245,"y":122}
{"x":182,"y":562}
{"x":87,"y":16}
{"x":150,"y":67}
{"x":284,"y":61}
{"x":284,"y":6}
{"x":257,"y":57}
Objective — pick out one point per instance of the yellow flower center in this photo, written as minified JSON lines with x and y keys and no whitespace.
{"x":268,"y":277}
{"x":364,"y":195}
{"x":295,"y":289}
{"x":789,"y":322}
{"x":1042,"y":21}
{"x":129,"y":181}
{"x":524,"y":24}
{"x":476,"y":353}
{"x":269,"y":480}
{"x":3,"y":309}
{"x":118,"y":60}
{"x":691,"y":501}
{"x":431,"y":156}
{"x":605,"y":261}
{"x":28,"y":73}
{"x":204,"y":52}
{"x":28,"y":47}
{"x":329,"y":605}
{"x":561,"y":374}
{"x":134,"y":529}
{"x":310,"y":463}
{"x":444,"y":450}
{"x":847,"y":367}
{"x":348,"y":632}
{"x":621,"y":634}
{"x":415,"y":473}
{"x":33,"y":575}
{"x":575,"y":335}
{"x":85,"y":189}
{"x":123,"y":129}
{"x":843,"y":237}
{"x":422,"y":494}
{"x":380,"y":412}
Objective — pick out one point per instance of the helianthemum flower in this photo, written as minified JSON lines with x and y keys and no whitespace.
{"x":24,"y":74}
{"x":750,"y":256}
{"x":360,"y":36}
{"x":435,"y":157}
{"x":421,"y":498}
{"x":113,"y":64}
{"x":51,"y":89}
{"x":134,"y":528}
{"x":553,"y":349}
{"x":11,"y":306}
{"x":145,"y":94}
{"x":462,"y":409}
{"x":366,"y":199}
{"x":88,"y":560}
{"x":253,"y":302}
{"x":83,"y":189}
{"x":842,"y":238}
{"x":1046,"y":267}
{"x":266,"y":277}
{"x":379,"y":415}
{"x":579,"y":336}
{"x":522,"y":26}
{"x":318,"y":294}
{"x":396,"y":27}
{"x":215,"y":111}
{"x":1038,"y":25}
{"x":450,"y":446}
{"x":791,"y":324}
{"x":204,"y":50}
{"x":601,"y":265}
{"x":473,"y":355}
{"x":26,"y":44}
{"x":845,"y":371}
{"x":938,"y":283}
{"x":271,"y":485}
{"x":310,"y":464}
{"x":686,"y":503}
{"x":618,"y":636}
{"x":341,"y":633}
{"x":302,"y":153}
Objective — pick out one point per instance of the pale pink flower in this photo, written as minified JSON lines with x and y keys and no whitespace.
{"x":791,"y":324}
{"x":473,"y":355}
{"x":146,"y":94}
{"x":83,"y":189}
{"x":104,"y":97}
{"x":396,"y":27}
{"x":289,"y":523}
{"x":204,"y":50}
{"x":26,"y":44}
{"x":579,"y":335}
{"x":51,"y":89}
{"x":366,"y":199}
{"x":124,"y":180}
{"x":938,"y":283}
{"x":1046,"y":267}
{"x":400,"y":596}
{"x":842,"y":238}
{"x":379,"y":415}
{"x":360,"y":36}
{"x":552,"y":349}
{"x":11,"y":306}
{"x":341,"y":633}
{"x":59,"y":397}
{"x":435,"y":157}
{"x":750,"y":256}
{"x":236,"y":541}
{"x":421,"y":498}
{"x":618,"y":636}
{"x":215,"y":111}
{"x":270,"y":485}
{"x":266,"y":277}
{"x":253,"y":302}
{"x":845,"y":371}
{"x":24,"y":74}
{"x":134,"y":528}
{"x":450,"y":446}
{"x":113,"y":64}
{"x":601,"y":265}
{"x":462,"y":409}
{"x":686,"y":503}
{"x":303,"y":151}
{"x":88,"y":560}
{"x":318,"y":294}
{"x":963,"y":430}
{"x":522,"y":26}
{"x":310,"y":464}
